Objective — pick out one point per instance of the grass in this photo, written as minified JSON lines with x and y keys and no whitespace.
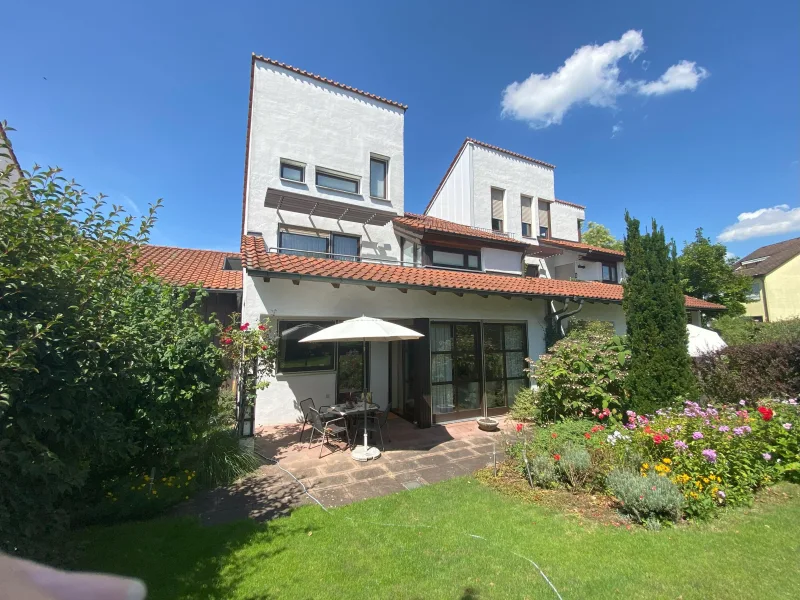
{"x":748,"y":553}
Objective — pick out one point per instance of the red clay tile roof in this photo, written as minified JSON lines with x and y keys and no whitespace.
{"x":328,"y":81}
{"x":185,"y":266}
{"x":422,"y":223}
{"x":579,"y":246}
{"x":256,"y":258}
{"x":485,"y":145}
{"x":581,"y":206}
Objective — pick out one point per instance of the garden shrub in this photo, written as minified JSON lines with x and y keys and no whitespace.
{"x":543,"y":471}
{"x":737,"y":331}
{"x":645,"y":498}
{"x":584,"y":371}
{"x":104,"y":368}
{"x":525,"y":405}
{"x":749,"y":372}
{"x":575,"y":465}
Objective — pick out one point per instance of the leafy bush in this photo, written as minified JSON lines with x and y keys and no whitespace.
{"x":737,"y":331}
{"x":575,"y":465}
{"x":223,"y":461}
{"x":525,"y":405}
{"x":584,"y":371}
{"x":103,"y":368}
{"x":645,"y":498}
{"x":749,"y":372}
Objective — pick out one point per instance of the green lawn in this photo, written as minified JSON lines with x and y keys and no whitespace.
{"x":753,"y":553}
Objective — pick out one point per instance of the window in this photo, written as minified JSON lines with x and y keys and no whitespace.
{"x":504,"y":351}
{"x":378,"y":169}
{"x":410,"y":253}
{"x":544,"y":219}
{"x":755,"y":291}
{"x":293,"y":171}
{"x":498,"y":211}
{"x":455,"y":367}
{"x":526,"y":203}
{"x":294,"y":357}
{"x":580,"y":227}
{"x":531,"y":270}
{"x":337,"y":182}
{"x":318,"y":244}
{"x":450,"y":257}
{"x":610,"y":273}
{"x":352,"y":367}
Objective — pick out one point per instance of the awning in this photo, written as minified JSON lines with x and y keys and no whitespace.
{"x":542,"y":251}
{"x":331,"y":209}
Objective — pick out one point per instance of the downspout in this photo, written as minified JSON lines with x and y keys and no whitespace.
{"x":764,"y":296}
{"x":564,"y":314}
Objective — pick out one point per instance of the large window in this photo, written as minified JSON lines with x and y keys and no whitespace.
{"x":498,"y":210}
{"x":352,"y":369}
{"x":455,"y":372}
{"x":755,"y":291}
{"x":294,"y":357}
{"x":337,"y":182}
{"x":378,"y":169}
{"x":453,"y":258}
{"x":504,"y":351}
{"x":318,"y":244}
{"x":610,"y":273}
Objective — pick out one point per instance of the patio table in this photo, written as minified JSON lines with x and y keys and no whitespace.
{"x":350,"y":413}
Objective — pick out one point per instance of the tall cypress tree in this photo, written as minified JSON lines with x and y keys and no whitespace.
{"x":653,"y":301}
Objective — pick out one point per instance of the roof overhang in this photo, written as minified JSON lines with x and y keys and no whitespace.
{"x":542,"y":251}
{"x":331,"y":209}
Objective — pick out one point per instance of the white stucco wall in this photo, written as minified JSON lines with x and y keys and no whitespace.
{"x":564,"y":221}
{"x":588,"y":270}
{"x":282,"y":300}
{"x":597,"y":311}
{"x":501,"y":261}
{"x":300,"y":119}
{"x":517,"y":177}
{"x":453,"y":202}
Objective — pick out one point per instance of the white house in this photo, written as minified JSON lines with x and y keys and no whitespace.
{"x":325,"y":237}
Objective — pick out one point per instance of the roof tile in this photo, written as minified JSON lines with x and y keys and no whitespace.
{"x":777,"y":254}
{"x":256,"y":257}
{"x":185,"y":266}
{"x":580,"y":246}
{"x":422,"y":223}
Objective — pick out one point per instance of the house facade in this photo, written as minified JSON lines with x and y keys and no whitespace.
{"x":325,"y":237}
{"x":775,"y":269}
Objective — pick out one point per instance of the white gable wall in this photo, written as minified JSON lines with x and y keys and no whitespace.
{"x":564,"y":221}
{"x":453,"y":201}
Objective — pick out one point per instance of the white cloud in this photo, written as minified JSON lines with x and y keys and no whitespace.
{"x":776,"y":220}
{"x":685,"y":75}
{"x":616,"y":130}
{"x":132,"y":206}
{"x":591,"y":76}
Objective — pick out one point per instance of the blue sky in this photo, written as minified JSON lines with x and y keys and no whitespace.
{"x":149,"y":100}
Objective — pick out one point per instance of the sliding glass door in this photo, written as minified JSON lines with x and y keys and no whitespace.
{"x":504,"y":360}
{"x":455,"y":370}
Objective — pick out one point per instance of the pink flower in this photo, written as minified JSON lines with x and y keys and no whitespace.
{"x":244,"y":327}
{"x":519,"y":427}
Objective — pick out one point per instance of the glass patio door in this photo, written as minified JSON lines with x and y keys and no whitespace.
{"x":455,"y":370}
{"x":350,"y":368}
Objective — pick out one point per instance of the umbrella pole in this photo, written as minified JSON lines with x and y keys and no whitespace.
{"x":365,"y":453}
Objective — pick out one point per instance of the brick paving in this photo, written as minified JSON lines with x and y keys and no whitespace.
{"x":413,"y":458}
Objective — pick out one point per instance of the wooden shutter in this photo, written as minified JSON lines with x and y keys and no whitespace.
{"x":544,"y":214}
{"x":497,"y":204}
{"x":527,"y":215}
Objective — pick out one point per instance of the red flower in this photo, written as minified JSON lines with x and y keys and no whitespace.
{"x":263,"y":347}
{"x":262,"y":328}
{"x":601,"y":416}
{"x":554,"y":435}
{"x":766,"y":413}
{"x":519,"y":427}
{"x":587,"y":435}
{"x":244,"y":327}
{"x":647,"y":429}
{"x":227,"y":341}
{"x":656,"y":439}
{"x":557,"y":456}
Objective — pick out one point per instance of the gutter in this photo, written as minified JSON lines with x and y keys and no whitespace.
{"x":564,"y":313}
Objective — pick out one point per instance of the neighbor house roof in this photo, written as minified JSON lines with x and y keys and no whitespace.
{"x":186,"y":266}
{"x":423,"y":223}
{"x":490,"y":147}
{"x":768,"y":258}
{"x":579,"y":246}
{"x":256,"y":258}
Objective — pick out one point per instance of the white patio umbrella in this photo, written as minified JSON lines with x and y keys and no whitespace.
{"x":363,"y":329}
{"x":702,"y":341}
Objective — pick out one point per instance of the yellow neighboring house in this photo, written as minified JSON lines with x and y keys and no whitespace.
{"x":775,"y":270}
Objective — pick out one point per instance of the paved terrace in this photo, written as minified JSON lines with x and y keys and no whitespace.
{"x":413,"y":458}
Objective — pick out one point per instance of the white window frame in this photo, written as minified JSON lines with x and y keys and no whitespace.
{"x":291,"y":163}
{"x":337,"y":175}
{"x":385,"y":161}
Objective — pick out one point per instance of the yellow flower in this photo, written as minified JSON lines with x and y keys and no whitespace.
{"x":667,"y":461}
{"x":146,"y":477}
{"x":645,"y":466}
{"x":155,"y":492}
{"x":163,"y":479}
{"x":705,"y":479}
